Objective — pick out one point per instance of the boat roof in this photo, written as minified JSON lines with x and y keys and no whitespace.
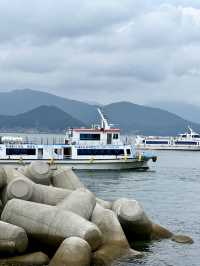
{"x":96,"y":130}
{"x":103,"y":127}
{"x":191,"y":132}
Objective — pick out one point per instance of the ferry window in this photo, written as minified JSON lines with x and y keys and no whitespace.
{"x":22,"y":151}
{"x":186,"y":143}
{"x":87,"y":136}
{"x":114,"y":152}
{"x":128,"y":151}
{"x":157,"y":142}
{"x":115,"y":136}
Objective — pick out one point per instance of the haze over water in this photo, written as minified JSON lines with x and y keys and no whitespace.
{"x":170,"y":194}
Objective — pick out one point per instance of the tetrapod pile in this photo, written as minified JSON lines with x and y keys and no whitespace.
{"x":49,"y":217}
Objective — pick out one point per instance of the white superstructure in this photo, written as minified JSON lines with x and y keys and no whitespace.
{"x":98,"y":147}
{"x":188,"y":141}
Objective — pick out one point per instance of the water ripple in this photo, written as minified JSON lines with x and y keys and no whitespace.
{"x":170,"y":194}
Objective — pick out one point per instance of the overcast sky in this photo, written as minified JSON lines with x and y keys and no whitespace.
{"x":102,"y":50}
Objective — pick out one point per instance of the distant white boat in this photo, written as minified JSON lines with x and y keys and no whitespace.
{"x":98,"y":147}
{"x":189,"y":141}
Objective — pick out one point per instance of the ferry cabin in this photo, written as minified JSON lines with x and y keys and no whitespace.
{"x":97,"y":143}
{"x":94,"y":143}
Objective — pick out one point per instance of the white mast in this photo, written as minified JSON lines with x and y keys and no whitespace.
{"x":104,"y":122}
{"x":191,"y":130}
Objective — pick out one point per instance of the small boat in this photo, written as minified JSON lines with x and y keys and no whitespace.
{"x":98,"y":147}
{"x":189,"y":141}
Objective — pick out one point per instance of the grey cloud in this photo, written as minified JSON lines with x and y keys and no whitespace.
{"x":30,"y":59}
{"x":89,"y":49}
{"x":186,"y":61}
{"x":48,"y":19}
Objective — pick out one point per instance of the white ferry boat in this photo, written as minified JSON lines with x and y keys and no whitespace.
{"x":189,"y":141}
{"x":99,"y":147}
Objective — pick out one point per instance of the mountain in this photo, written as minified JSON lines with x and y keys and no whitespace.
{"x":20,"y":101}
{"x":187,"y":111}
{"x":138,"y":119}
{"x":43,"y":118}
{"x":47,"y":112}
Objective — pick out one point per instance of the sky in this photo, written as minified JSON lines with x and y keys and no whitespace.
{"x":104,"y":50}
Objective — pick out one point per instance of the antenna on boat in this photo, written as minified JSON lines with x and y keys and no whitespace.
{"x":104,"y":122}
{"x":190,"y":129}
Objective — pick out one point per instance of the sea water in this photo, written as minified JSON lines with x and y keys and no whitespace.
{"x":170,"y":195}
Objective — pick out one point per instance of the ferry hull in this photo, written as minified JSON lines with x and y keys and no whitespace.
{"x":88,"y":165}
{"x":177,"y":148}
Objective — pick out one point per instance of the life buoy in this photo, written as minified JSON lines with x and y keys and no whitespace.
{"x":140,"y":157}
{"x":125,"y":157}
{"x":51,"y":161}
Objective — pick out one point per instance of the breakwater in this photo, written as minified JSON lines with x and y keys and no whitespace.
{"x":70,"y":217}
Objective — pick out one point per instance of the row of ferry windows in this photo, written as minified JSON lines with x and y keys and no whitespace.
{"x":86,"y":136}
{"x":116,"y":152}
{"x":29,"y":151}
{"x":12,"y":151}
{"x":22,"y":151}
{"x":193,"y":136}
{"x":93,"y":152}
{"x":176,"y":142}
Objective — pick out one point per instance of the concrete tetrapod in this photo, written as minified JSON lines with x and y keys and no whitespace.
{"x":3,"y":179}
{"x":182,"y":239}
{"x":80,"y":201}
{"x":135,"y":222}
{"x":49,"y":224}
{"x":115,"y":244}
{"x":13,"y":239}
{"x":20,"y":188}
{"x":10,"y":174}
{"x":36,"y":259}
{"x":1,"y":207}
{"x":23,"y":188}
{"x":21,"y":169}
{"x":66,"y":178}
{"x":105,"y":204}
{"x":39,"y":172}
{"x":73,"y":251}
{"x":48,"y":195}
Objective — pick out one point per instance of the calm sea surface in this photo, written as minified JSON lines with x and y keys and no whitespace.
{"x":170,"y":194}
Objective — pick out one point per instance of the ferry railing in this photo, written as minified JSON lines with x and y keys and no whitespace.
{"x":39,"y":140}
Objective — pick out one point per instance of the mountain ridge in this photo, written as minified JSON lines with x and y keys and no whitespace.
{"x":20,"y":101}
{"x":186,"y":110}
{"x":147,"y":120}
{"x":130,"y":117}
{"x":41,"y":119}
